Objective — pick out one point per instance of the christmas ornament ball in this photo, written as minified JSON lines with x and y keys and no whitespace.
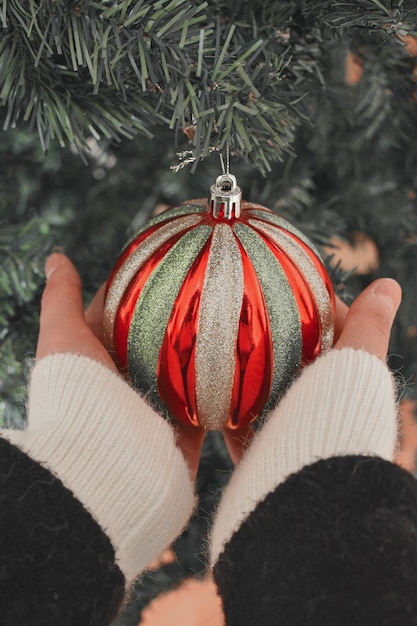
{"x":213,"y":307}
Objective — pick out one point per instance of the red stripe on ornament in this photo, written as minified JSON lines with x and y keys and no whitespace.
{"x":176,"y":366}
{"x":303,"y":295}
{"x":254,"y":351}
{"x":322,"y":271}
{"x":318,"y":264}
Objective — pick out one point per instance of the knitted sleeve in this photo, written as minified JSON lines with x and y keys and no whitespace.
{"x":317,"y":525}
{"x":112,"y":452}
{"x":57,"y":566}
{"x":334,"y":545}
{"x":344,"y":403}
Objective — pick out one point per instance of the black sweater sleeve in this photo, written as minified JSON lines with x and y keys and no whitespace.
{"x":57,"y":566}
{"x":334,"y":545}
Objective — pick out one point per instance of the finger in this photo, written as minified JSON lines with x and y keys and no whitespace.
{"x":61,"y":305}
{"x":341,"y":311}
{"x":370,"y":318}
{"x":94,"y":313}
{"x":190,"y":441}
{"x":62,"y":323}
{"x":237,"y":442}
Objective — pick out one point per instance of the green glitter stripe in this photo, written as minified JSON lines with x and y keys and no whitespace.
{"x":282,"y":309}
{"x":276,"y":220}
{"x":178,"y":211}
{"x":154,"y":306}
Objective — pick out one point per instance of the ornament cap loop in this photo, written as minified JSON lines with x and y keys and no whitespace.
{"x":225,"y":197}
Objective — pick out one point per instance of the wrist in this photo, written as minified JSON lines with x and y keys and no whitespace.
{"x":117,"y":455}
{"x":342,"y":404}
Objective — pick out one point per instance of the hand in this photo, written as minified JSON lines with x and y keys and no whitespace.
{"x":367,"y":324}
{"x":64,"y":327}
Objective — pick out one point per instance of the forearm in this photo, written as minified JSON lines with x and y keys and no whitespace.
{"x":57,"y":564}
{"x":312,"y":507}
{"x":112,"y":451}
{"x":343,"y":404}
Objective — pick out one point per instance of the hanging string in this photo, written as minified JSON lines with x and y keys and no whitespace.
{"x":222,"y":162}
{"x":225,"y":170}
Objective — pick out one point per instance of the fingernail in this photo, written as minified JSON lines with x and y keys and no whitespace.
{"x":53,"y":262}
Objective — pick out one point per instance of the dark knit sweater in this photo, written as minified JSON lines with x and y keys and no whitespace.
{"x":57,"y":566}
{"x":296,"y":540}
{"x":334,"y":545}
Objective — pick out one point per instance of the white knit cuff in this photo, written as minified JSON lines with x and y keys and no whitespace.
{"x":344,"y":403}
{"x":117,"y":455}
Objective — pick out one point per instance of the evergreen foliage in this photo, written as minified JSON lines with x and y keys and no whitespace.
{"x":101,"y":101}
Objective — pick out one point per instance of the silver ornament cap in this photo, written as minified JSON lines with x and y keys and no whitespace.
{"x":225,"y":197}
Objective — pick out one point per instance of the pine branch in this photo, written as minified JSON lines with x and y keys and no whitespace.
{"x":21,"y":275}
{"x":71,"y":71}
{"x":394,"y":17}
{"x":225,"y":73}
{"x":48,"y":54}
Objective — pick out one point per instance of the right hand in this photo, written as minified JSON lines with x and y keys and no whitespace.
{"x":368,"y":322}
{"x":366,"y":325}
{"x":64,"y":327}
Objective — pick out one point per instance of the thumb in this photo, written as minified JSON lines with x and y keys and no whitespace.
{"x":62,"y":311}
{"x":63,"y":327}
{"x":369,"y":320}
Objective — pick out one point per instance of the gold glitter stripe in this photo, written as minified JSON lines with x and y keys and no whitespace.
{"x":281,"y":222}
{"x":218,"y":325}
{"x":131,"y":266}
{"x":313,"y":278}
{"x":177,"y":211}
{"x":282,"y":309}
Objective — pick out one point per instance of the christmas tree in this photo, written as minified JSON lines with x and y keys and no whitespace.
{"x":110,"y":110}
